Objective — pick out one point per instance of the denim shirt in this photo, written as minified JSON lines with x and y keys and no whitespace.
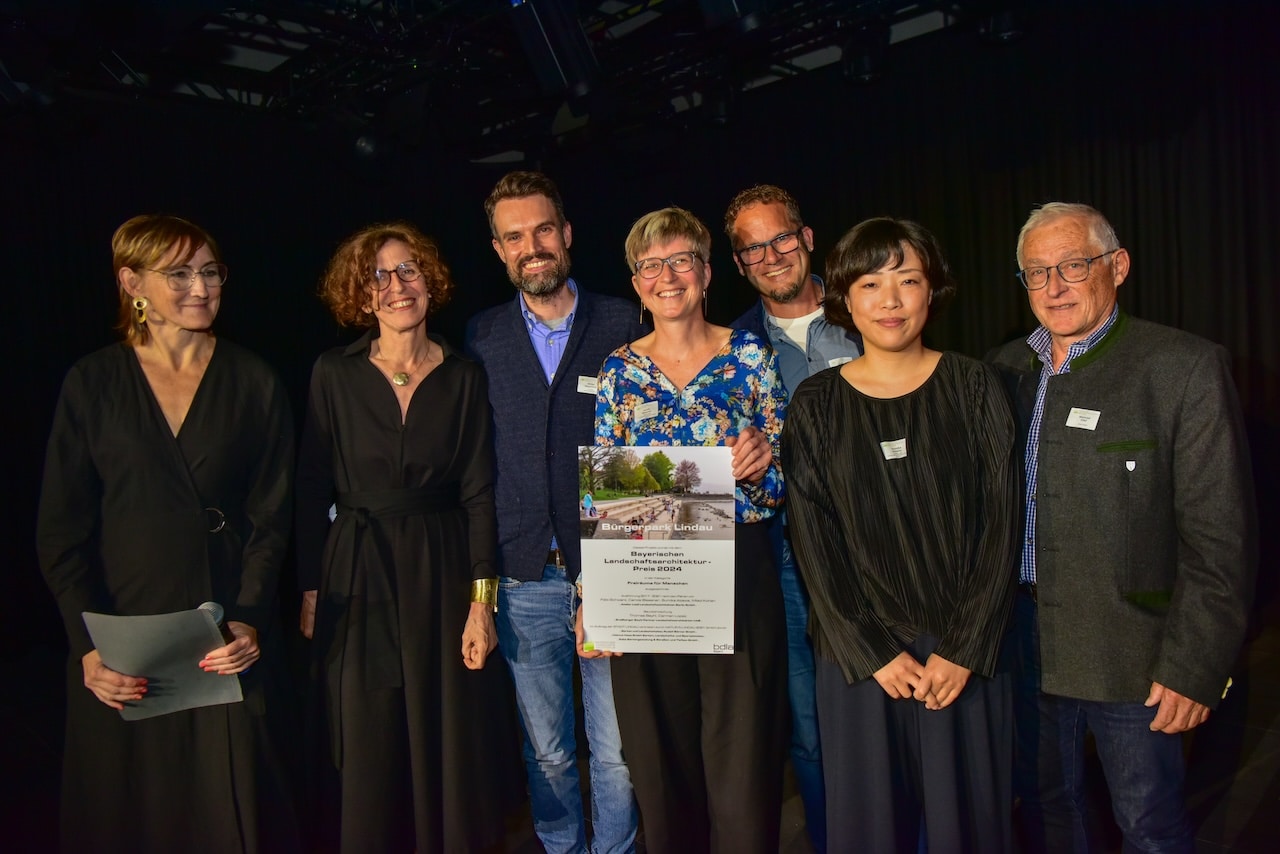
{"x":826,"y":345}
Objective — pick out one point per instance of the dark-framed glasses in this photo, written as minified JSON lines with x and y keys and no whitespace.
{"x":680,"y":262}
{"x":182,"y":278}
{"x":1071,"y":271}
{"x":406,"y":271}
{"x":782,"y":244}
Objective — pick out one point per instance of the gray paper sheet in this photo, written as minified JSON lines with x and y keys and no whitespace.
{"x":166,"y":649}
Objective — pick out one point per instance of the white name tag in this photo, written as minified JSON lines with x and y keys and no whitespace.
{"x":586,"y":385}
{"x":1083,"y":419}
{"x":895,"y":450}
{"x":647,"y":410}
{"x":838,"y":360}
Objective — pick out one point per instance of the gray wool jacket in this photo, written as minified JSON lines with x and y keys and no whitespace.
{"x":1146,"y":533}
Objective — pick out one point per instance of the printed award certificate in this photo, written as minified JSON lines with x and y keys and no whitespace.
{"x":657,"y":548}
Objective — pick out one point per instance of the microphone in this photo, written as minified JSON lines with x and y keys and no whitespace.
{"x":219,"y":617}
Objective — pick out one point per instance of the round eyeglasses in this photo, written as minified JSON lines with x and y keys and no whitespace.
{"x":680,"y":262}
{"x":783,"y":244}
{"x":1071,"y":271}
{"x":406,"y":271}
{"x":182,"y":278}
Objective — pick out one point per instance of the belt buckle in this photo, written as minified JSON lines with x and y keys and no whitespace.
{"x":555,"y":558}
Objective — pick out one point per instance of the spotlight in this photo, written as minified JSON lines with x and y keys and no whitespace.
{"x":367,"y":147}
{"x":1001,"y":28}
{"x":863,"y":57}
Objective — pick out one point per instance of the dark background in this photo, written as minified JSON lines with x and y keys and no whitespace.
{"x":1165,"y":116}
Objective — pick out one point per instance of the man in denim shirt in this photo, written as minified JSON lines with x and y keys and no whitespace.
{"x":771,"y":246}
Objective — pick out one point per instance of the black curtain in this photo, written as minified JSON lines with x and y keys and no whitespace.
{"x":1162,"y":115}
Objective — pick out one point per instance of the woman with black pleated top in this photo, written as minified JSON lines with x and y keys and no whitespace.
{"x":904,"y":513}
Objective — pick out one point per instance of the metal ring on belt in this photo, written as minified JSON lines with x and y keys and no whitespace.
{"x":222,"y":519}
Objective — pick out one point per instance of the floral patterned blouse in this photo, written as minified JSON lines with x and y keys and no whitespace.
{"x":738,"y":388}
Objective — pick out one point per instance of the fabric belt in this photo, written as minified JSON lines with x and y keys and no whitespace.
{"x":367,"y":548}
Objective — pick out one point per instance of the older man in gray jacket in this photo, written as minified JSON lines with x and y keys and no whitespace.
{"x":1140,"y":550}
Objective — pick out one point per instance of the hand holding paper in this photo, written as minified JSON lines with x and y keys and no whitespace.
{"x":112,"y":688}
{"x":164,"y":654}
{"x":237,"y":656}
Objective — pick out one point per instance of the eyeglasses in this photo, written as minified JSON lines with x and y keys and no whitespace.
{"x":407,"y":271}
{"x":182,"y":278}
{"x":1071,"y":271}
{"x":782,"y":244}
{"x":681,"y":262}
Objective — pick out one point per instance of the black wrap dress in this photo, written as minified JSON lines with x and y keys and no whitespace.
{"x":129,"y":524}
{"x":423,"y":749}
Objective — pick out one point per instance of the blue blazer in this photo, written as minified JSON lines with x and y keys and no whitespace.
{"x":539,"y":426}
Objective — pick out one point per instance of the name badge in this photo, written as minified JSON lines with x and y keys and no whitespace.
{"x":647,"y":410}
{"x":895,"y":450}
{"x":838,"y":360}
{"x":586,"y":385}
{"x":1083,"y":419}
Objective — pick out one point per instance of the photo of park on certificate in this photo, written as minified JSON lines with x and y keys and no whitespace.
{"x":657,"y":548}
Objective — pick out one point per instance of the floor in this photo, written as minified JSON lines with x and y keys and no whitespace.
{"x":1233,"y":779}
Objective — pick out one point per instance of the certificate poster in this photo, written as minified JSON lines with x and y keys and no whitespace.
{"x":657,"y":548}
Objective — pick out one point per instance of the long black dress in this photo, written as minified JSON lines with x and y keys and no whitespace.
{"x":423,"y":747}
{"x":124,"y":529}
{"x":904,"y":517}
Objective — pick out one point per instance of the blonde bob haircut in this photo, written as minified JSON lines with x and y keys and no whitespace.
{"x":665,"y":226}
{"x":140,"y":244}
{"x":347,"y":286}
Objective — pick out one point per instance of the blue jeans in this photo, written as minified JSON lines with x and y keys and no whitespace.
{"x":1045,"y":813}
{"x":1144,"y":769}
{"x":806,"y":748}
{"x":535,"y":633}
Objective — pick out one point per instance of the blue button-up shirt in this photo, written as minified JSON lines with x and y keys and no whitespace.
{"x":826,"y":346}
{"x":1041,"y":341}
{"x":549,"y":343}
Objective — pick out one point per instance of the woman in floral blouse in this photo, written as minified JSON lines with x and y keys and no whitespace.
{"x":705,"y":735}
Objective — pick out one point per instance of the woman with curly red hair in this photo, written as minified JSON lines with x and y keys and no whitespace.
{"x":399,"y":588}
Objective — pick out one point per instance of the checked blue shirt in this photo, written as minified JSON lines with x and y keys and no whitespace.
{"x":1041,"y":341}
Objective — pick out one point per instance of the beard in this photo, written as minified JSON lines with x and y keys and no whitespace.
{"x":544,"y":282}
{"x":785,"y":293}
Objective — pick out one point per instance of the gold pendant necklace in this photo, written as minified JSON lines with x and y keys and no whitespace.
{"x":400,"y":378}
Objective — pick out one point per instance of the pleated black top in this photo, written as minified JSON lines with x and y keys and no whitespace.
{"x":904,"y":514}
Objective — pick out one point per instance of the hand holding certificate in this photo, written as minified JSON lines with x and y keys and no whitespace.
{"x":658,"y":566}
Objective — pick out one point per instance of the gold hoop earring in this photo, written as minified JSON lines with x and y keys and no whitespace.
{"x":140,"y":305}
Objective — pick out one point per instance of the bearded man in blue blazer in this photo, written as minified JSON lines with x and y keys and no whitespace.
{"x":542,"y":352}
{"x":1140,"y":552}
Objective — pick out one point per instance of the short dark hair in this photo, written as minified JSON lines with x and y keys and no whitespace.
{"x":871,"y":245}
{"x":518,"y":185}
{"x":345,"y":286}
{"x":762,"y":194}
